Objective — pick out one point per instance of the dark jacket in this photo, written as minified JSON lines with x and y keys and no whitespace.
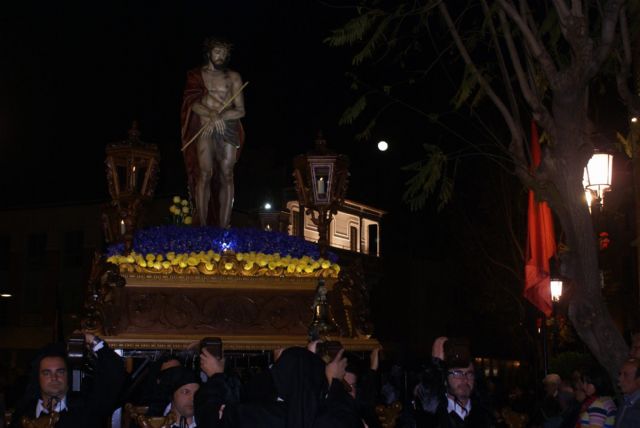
{"x":295,"y":395}
{"x":629,"y":412}
{"x":208,"y":400}
{"x":479,"y":417}
{"x":366,"y":398}
{"x":338,"y":409}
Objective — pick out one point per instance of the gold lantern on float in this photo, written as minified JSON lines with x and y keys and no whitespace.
{"x":321,"y":178}
{"x":132,"y":173}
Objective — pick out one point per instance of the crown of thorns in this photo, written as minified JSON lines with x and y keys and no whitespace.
{"x":211,"y":42}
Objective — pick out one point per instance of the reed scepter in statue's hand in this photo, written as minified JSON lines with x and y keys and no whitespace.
{"x":224,"y":106}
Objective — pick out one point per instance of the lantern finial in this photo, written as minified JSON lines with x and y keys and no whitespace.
{"x":320,"y":143}
{"x":134,"y":132}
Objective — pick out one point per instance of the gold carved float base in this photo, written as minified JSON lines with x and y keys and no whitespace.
{"x":235,"y":343}
{"x":141,"y":311}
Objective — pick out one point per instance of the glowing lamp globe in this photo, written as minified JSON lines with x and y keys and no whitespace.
{"x":556,"y":290}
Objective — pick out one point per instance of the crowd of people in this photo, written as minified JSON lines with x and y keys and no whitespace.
{"x":317,"y":386}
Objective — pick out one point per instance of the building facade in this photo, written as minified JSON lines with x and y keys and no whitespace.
{"x":355,"y":227}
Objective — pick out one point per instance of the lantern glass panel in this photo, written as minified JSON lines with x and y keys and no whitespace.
{"x":588,"y":195}
{"x":321,"y":182}
{"x":556,"y":290}
{"x":135,"y":178}
{"x":121,"y":171}
{"x":598,"y":173}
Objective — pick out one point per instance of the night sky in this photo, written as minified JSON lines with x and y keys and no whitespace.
{"x":75,"y":76}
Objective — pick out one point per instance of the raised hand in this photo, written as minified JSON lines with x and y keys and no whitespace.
{"x":209,"y":364}
{"x":437,"y":350}
{"x":336,"y":368}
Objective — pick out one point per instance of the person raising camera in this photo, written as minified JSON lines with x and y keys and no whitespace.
{"x":447,"y":396}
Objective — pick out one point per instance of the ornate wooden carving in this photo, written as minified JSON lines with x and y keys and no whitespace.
{"x":514,"y":419}
{"x":101,"y":311}
{"x":44,"y":421}
{"x":200,"y":311}
{"x":138,"y":414}
{"x":155,"y":311}
{"x":388,"y":415}
{"x":349,"y":302}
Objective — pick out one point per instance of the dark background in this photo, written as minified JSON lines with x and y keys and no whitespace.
{"x":75,"y":76}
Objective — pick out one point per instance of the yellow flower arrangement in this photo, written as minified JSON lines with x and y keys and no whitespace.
{"x":180,"y":211}
{"x":228,"y":263}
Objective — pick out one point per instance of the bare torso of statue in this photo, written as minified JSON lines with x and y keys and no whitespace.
{"x":218,"y":84}
{"x":219,"y":111}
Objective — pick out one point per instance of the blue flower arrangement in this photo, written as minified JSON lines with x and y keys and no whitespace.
{"x":177,"y":239}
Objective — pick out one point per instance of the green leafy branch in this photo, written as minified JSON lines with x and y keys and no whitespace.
{"x":429,"y":177}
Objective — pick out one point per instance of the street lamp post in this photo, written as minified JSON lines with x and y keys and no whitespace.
{"x":597,"y":181}
{"x":321,"y":178}
{"x":555,"y":288}
{"x":556,"y":293}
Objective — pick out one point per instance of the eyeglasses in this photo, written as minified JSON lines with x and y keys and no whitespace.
{"x":461,"y":374}
{"x":53,"y":373}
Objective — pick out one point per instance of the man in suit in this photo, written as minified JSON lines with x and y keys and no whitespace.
{"x":629,"y":381}
{"x":185,"y":385}
{"x":48,"y":394}
{"x":447,"y":396}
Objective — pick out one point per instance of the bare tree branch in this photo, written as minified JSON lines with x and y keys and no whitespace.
{"x":562,"y":11}
{"x":576,"y":8}
{"x":624,"y":34}
{"x":513,"y":127}
{"x":515,"y":111}
{"x":517,"y":144}
{"x":607,"y":35}
{"x":540,"y":112}
{"x":624,"y":73}
{"x":537,"y":48}
{"x":526,"y":13}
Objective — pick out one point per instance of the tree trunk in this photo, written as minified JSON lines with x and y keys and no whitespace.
{"x":587,"y":310}
{"x":635,"y":163}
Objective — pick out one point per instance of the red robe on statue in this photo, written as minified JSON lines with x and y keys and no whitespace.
{"x":193,"y":92}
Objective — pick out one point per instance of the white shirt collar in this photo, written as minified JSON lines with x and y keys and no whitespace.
{"x":193,"y":420}
{"x":455,"y":406}
{"x":59,"y":407}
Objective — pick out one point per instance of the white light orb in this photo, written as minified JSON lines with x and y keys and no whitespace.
{"x":383,"y":146}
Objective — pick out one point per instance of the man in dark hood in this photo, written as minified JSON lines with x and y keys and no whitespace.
{"x":307,"y":393}
{"x":299,"y":377}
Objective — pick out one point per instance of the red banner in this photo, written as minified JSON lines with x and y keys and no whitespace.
{"x":541,"y":242}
